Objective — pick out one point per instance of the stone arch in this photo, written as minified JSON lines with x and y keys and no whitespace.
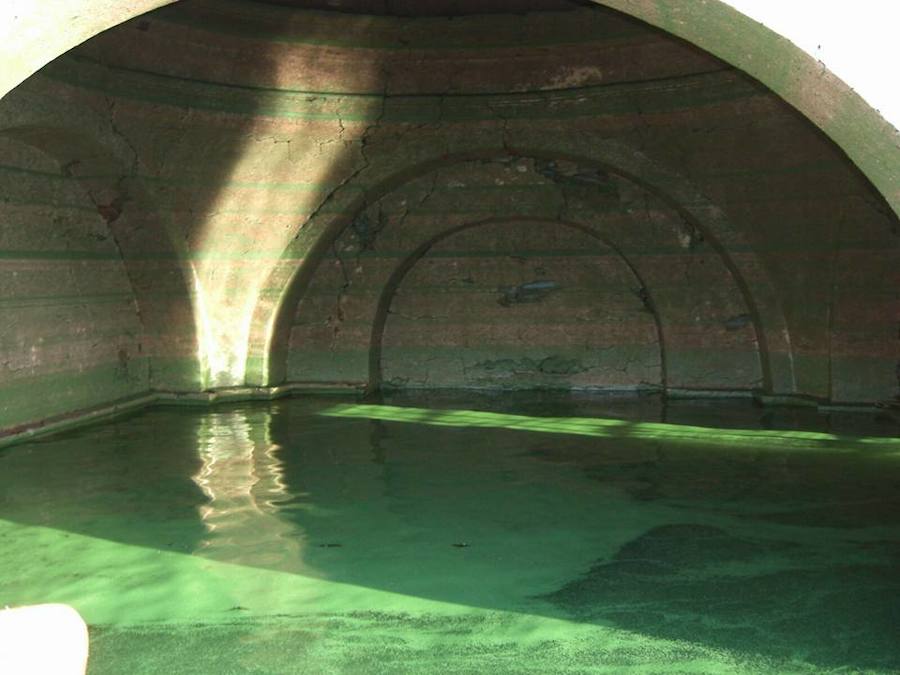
{"x":704,"y":319}
{"x":30,"y":41}
{"x":612,"y":156}
{"x":400,"y":273}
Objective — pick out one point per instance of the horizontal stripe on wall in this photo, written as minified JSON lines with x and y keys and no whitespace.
{"x":641,"y":97}
{"x":272,"y":23}
{"x":221,"y":183}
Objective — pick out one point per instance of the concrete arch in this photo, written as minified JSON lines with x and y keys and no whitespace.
{"x":150,"y":252}
{"x":400,"y":273}
{"x":870,"y":141}
{"x":616,"y":158}
{"x":29,"y":42}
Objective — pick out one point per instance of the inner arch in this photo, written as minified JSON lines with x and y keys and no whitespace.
{"x":531,"y":304}
{"x":655,"y":211}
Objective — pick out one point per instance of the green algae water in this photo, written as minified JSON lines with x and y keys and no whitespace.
{"x":514,"y":534}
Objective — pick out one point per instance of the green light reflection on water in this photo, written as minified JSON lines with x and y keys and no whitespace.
{"x":622,"y":429}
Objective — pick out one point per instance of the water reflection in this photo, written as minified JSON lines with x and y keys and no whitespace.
{"x":242,"y":476}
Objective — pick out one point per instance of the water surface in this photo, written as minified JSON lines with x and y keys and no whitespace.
{"x":483,"y":534}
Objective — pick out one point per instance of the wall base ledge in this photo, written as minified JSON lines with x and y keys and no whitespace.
{"x":103,"y":413}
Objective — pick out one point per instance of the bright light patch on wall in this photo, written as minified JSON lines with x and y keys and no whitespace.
{"x":223,"y":335}
{"x":758,"y":439}
{"x":236,"y":246}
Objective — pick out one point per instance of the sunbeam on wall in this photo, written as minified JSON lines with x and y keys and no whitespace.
{"x":304,"y":135}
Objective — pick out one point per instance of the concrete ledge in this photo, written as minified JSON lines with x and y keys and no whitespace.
{"x":624,"y":390}
{"x":789,"y":401}
{"x":113,"y":409}
{"x":676,"y":393}
{"x":75,"y":419}
{"x":237,"y":394}
{"x":234,"y":394}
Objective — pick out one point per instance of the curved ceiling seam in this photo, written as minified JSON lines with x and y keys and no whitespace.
{"x":862,"y":132}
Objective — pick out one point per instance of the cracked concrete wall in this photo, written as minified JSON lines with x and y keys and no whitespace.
{"x":248,"y":138}
{"x":788,"y":210}
{"x":72,"y":337}
{"x":29,"y":41}
{"x":81,"y":133}
{"x":233,"y":150}
{"x":520,"y":305}
{"x":480,"y":291}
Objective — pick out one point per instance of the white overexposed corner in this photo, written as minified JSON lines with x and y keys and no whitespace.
{"x":857,"y":41}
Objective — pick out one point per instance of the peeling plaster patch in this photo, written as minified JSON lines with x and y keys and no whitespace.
{"x":737,"y":322}
{"x":552,"y":365}
{"x":556,"y":365}
{"x":111,"y":212}
{"x":366,"y":230}
{"x":689,"y":237}
{"x":508,"y":366}
{"x":533,"y":291}
{"x":397,"y":382}
{"x":644,"y":296}
{"x":577,"y":77}
{"x":564,"y":172}
{"x":68,"y":169}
